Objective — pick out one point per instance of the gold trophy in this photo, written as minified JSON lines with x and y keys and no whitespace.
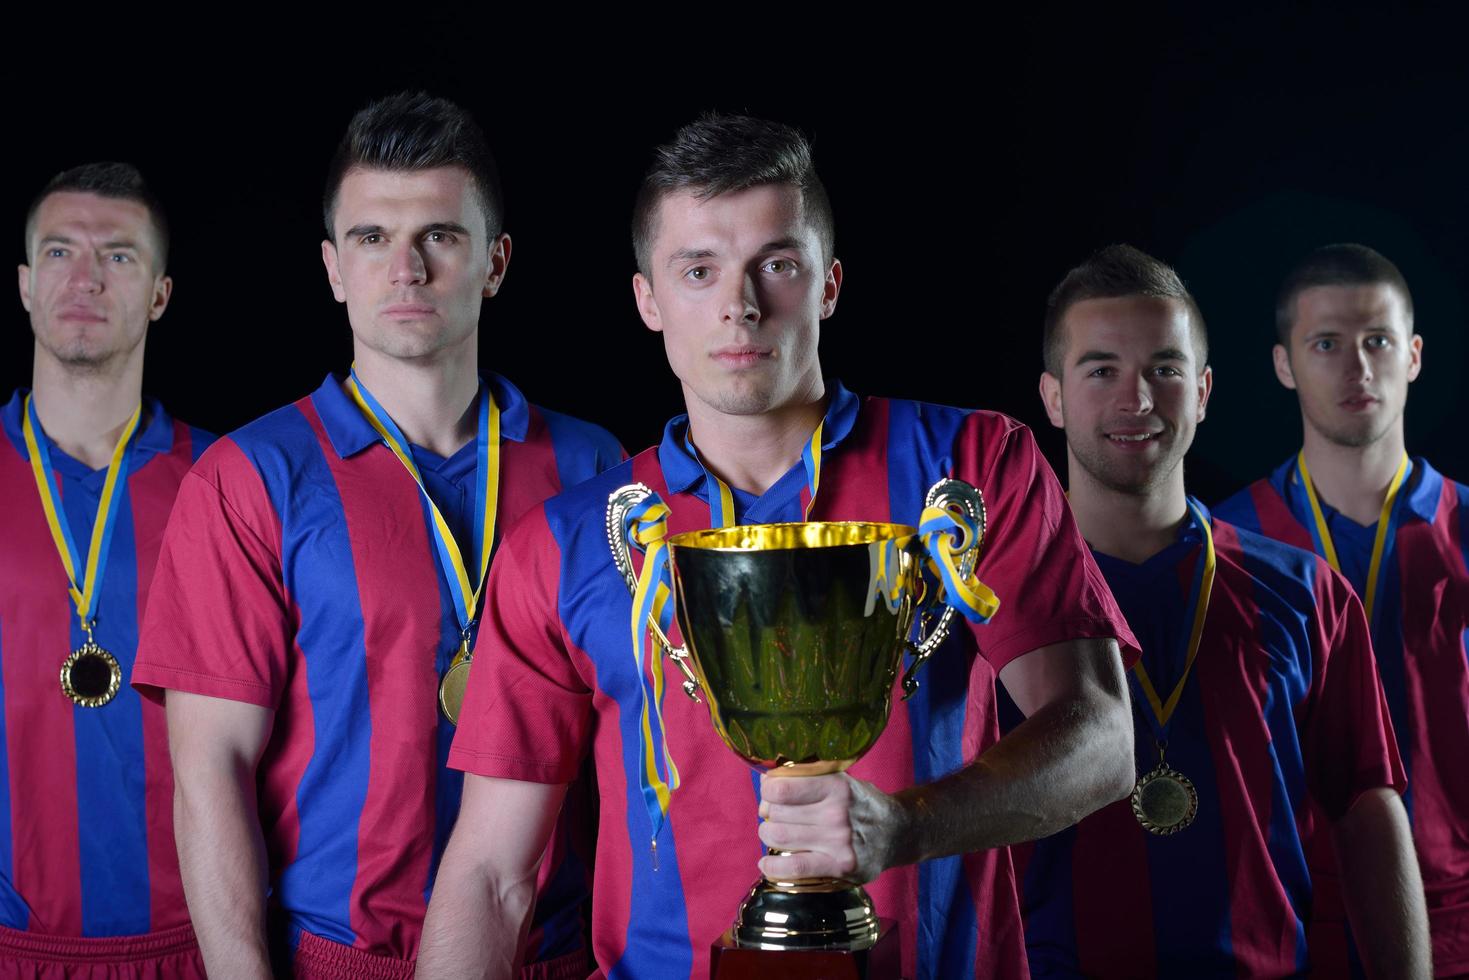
{"x":795,"y":633}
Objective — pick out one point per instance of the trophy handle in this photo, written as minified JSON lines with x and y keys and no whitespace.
{"x":953,"y":495}
{"x":619,"y":503}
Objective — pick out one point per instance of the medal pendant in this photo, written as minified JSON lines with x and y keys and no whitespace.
{"x":452,"y":685}
{"x":91,"y":676}
{"x":1164,"y":800}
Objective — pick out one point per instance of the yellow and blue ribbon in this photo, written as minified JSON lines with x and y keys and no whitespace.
{"x":84,"y":590}
{"x":721,"y":498}
{"x":466,"y":595}
{"x":1199,"y":593}
{"x":1387,"y":528}
{"x":948,"y":535}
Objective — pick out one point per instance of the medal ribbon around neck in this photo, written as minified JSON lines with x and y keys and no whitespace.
{"x":487,"y":484}
{"x":1387,"y":526}
{"x":1203,"y":585}
{"x":84,"y":593}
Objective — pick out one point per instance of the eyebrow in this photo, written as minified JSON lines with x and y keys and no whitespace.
{"x":782,"y":243}
{"x":1164,"y":354}
{"x":684,"y":254}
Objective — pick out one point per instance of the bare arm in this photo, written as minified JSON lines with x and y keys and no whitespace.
{"x":1071,"y":756}
{"x":486,"y":886}
{"x":1381,"y":886}
{"x":215,"y":745}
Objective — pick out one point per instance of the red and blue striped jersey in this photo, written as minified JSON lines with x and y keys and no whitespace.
{"x":86,"y":794}
{"x":565,"y":684}
{"x":300,"y":573}
{"x":1419,"y":638}
{"x":1281,"y":725}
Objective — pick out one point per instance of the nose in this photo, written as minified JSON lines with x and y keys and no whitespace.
{"x":1361,"y":365}
{"x":1136,"y":398}
{"x":407,"y":267}
{"x":742,"y":305}
{"x":85,"y":275}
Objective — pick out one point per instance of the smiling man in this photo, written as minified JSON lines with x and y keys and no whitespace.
{"x":1258,"y":714}
{"x":734,"y":243}
{"x":321,"y":577}
{"x":89,"y":879}
{"x":1394,"y":527}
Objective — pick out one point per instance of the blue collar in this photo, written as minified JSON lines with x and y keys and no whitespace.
{"x":1420,"y":497}
{"x":682,"y":470}
{"x":351,"y":433}
{"x":156,"y":435}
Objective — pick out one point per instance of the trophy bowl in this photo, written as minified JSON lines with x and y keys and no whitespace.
{"x":795,"y":633}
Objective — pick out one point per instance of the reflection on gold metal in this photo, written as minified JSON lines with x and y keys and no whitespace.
{"x":91,"y":676}
{"x":1164,"y":800}
{"x":795,"y":633}
{"x":454,"y":683}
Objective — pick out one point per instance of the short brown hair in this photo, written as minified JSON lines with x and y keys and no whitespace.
{"x":122,"y":181}
{"x":1343,"y":264}
{"x":1114,"y":272}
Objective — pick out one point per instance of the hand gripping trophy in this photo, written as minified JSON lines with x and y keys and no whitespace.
{"x":794,"y":633}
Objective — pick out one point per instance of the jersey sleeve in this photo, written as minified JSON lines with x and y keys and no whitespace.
{"x":218,"y":621}
{"x":1034,"y":557}
{"x":527,"y":710}
{"x":1349,"y":743}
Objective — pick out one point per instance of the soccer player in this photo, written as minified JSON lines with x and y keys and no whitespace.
{"x":1394,"y":528}
{"x":1258,"y":713}
{"x":319,"y":584}
{"x":734,"y":241}
{"x":89,"y":878}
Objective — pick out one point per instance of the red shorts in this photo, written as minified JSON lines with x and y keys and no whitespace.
{"x":322,"y":959}
{"x":164,"y":955}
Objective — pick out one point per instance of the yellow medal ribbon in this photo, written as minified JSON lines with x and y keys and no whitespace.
{"x":84,"y":593}
{"x":1202,"y":587}
{"x":1385,"y":524}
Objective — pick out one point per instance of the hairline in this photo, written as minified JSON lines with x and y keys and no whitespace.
{"x":155,"y":231}
{"x":484,"y":201}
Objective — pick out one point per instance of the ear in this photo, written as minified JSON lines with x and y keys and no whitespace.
{"x":25,"y":285}
{"x":1206,"y":388}
{"x":1415,"y":357}
{"x":162,"y":290}
{"x":831,"y":288}
{"x":642,"y":292}
{"x":1283,"y":372}
{"x":333,"y":272}
{"x":1051,"y":399}
{"x":499,"y":262}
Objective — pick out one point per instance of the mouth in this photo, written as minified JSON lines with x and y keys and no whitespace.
{"x":408,"y":311}
{"x":742,"y":355}
{"x":1358,"y":403}
{"x":1134,"y":439}
{"x":81,"y":314}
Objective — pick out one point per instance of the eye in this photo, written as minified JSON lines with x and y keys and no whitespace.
{"x":698,"y":273}
{"x":442,"y":237}
{"x":1325,"y":345}
{"x":1101,"y":372}
{"x":1168,"y":371}
{"x":120,"y":258}
{"x":1378,"y":341}
{"x":371,"y":238}
{"x":56,"y":252}
{"x":780,"y":267}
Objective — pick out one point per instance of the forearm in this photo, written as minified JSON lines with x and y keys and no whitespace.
{"x":1381,"y":886}
{"x":1065,"y":761}
{"x":222,"y":861}
{"x":476,"y":927}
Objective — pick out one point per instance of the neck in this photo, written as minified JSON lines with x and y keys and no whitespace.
{"x":1130,"y":526}
{"x":751,"y":452}
{"x":1354,"y":479}
{"x":84,"y":412}
{"x":432,"y":401}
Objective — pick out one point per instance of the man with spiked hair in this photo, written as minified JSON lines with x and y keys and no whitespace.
{"x":736,"y":271}
{"x":89,"y":877}
{"x":321,"y":577}
{"x":1259,"y":720}
{"x":1346,"y":344}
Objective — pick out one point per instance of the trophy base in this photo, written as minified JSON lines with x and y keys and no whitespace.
{"x":728,"y":960}
{"x":813,"y":913}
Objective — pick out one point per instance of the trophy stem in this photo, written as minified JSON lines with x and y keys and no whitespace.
{"x":812,"y":913}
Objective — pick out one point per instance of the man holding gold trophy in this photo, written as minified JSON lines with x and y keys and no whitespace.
{"x":791,"y":635}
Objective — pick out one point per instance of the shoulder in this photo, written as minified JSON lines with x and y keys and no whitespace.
{"x":583,"y":507}
{"x":1300,"y":578}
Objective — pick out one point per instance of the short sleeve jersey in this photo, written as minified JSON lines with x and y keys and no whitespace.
{"x":1421,"y":620}
{"x":86,"y":794}
{"x":299,"y":573}
{"x":564,"y":683}
{"x":1281,"y":721}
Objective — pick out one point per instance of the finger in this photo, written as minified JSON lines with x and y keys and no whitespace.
{"x":824,"y":813}
{"x":800,"y":789}
{"x":797,"y":837}
{"x":804,"y":864}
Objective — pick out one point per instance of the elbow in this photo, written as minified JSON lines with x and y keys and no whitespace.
{"x":1117,"y":773}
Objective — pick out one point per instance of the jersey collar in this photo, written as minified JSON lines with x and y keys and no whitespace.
{"x":350,"y":433}
{"x":1420,"y":496}
{"x":156,"y":435}
{"x":682,"y":469}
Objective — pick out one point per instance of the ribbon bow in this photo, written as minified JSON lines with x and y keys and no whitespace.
{"x":948,"y":535}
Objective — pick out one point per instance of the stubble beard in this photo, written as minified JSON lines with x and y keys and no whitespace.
{"x":1133,"y":481}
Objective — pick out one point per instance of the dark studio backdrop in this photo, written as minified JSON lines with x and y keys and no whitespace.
{"x":969,"y":169}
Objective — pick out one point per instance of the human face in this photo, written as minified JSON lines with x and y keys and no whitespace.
{"x":738,"y":289}
{"x":1131,"y":392}
{"x":92,"y":284}
{"x":1352,"y":355}
{"x":412,"y":261}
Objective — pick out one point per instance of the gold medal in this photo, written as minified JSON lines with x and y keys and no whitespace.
{"x":1164,"y":800}
{"x":454,"y":681}
{"x":91,"y":676}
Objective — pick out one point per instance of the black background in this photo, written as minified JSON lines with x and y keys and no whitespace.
{"x":970,"y":161}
